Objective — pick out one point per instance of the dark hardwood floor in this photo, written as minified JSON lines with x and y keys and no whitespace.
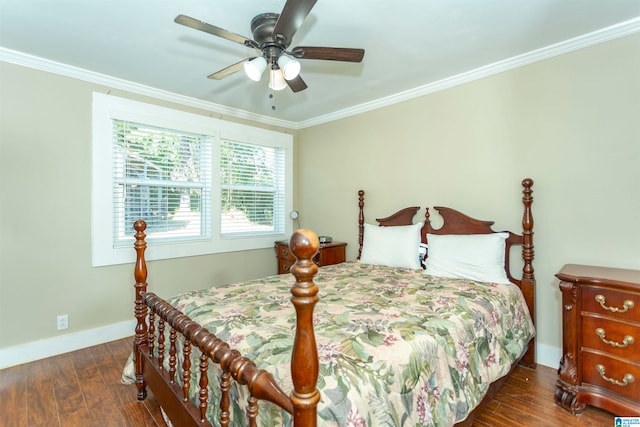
{"x":49,"y":393}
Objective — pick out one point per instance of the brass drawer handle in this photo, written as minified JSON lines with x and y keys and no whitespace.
{"x":626,"y":305}
{"x":625,"y":341}
{"x":285,"y":252}
{"x":628,"y":378}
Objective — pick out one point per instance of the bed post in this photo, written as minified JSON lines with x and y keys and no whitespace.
{"x":304,"y":245}
{"x":360,"y":221}
{"x":140,"y":310}
{"x":528,"y":277}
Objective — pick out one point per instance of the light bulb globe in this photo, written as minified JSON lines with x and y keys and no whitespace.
{"x":276,"y":79}
{"x":255,"y":67}
{"x":290,"y":67}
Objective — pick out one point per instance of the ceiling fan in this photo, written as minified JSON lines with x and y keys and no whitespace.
{"x":272,"y":35}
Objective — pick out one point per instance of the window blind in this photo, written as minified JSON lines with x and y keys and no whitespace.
{"x":252,"y":189}
{"x":163,"y":177}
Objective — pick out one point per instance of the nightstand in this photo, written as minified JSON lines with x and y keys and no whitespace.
{"x":328,"y":254}
{"x":600,"y":365}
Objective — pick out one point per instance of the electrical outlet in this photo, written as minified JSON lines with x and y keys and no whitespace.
{"x":63,"y":322}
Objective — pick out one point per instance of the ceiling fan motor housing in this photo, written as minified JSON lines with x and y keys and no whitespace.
{"x":262,"y":29}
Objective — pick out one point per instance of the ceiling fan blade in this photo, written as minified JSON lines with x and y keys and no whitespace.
{"x":328,"y":53}
{"x":297,"y":84}
{"x":219,"y":75}
{"x":216,"y":31}
{"x":291,"y":18}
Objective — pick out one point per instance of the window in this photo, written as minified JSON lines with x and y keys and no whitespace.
{"x":251,"y":189}
{"x":163,"y":177}
{"x":202,"y":185}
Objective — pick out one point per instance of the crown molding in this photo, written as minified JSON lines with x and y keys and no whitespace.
{"x":47,"y":65}
{"x":610,"y":33}
{"x":613,"y":32}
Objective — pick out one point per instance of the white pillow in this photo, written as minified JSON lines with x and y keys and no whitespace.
{"x":394,"y":246}
{"x":477,"y":257}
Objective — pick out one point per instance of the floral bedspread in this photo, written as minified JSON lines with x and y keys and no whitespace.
{"x":396,"y":347}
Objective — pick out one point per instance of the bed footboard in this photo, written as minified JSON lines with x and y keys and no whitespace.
{"x":153,"y":314}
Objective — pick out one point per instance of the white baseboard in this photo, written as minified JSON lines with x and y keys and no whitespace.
{"x":548,"y":356}
{"x":545,"y":355}
{"x":42,"y":349}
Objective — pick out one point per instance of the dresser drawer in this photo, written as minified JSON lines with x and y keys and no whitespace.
{"x":610,"y":302}
{"x":613,"y":374}
{"x":328,"y":254}
{"x":284,"y":265}
{"x":285,"y":253}
{"x":600,"y":365}
{"x":611,"y":336}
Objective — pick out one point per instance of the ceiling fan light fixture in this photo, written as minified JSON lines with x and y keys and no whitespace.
{"x":290,"y":67}
{"x":255,"y":67}
{"x":276,"y":79}
{"x":272,"y":34}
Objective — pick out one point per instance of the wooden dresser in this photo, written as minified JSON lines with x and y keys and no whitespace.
{"x":328,"y":254}
{"x":600,"y":365}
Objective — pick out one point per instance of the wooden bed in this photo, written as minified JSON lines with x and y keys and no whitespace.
{"x":166,"y":368}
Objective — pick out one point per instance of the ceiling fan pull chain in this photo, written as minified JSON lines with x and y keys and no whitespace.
{"x":272,"y":97}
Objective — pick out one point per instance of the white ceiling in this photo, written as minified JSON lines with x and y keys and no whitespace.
{"x":412,"y":46}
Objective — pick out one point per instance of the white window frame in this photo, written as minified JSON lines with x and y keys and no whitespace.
{"x":108,"y":107}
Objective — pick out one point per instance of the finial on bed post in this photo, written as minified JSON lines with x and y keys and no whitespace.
{"x":140,"y":310}
{"x":304,"y":245}
{"x":360,"y":221}
{"x":528,"y":274}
